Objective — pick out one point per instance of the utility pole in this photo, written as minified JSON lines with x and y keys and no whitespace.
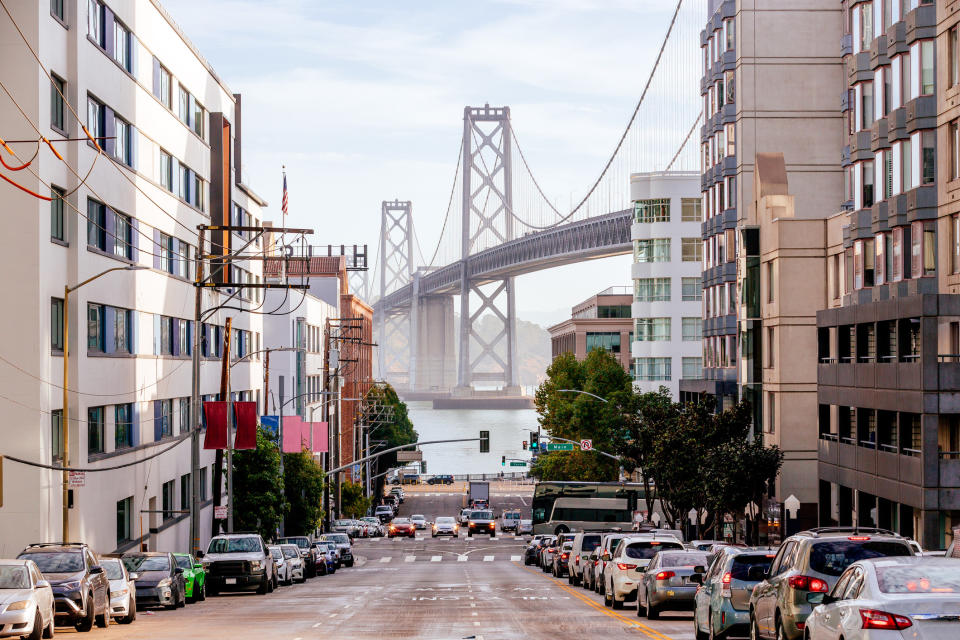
{"x":218,"y":464}
{"x":280,"y":438}
{"x":195,"y":407}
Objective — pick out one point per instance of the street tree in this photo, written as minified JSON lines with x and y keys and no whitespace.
{"x":354,"y":504}
{"x":303,"y":481}
{"x":259,"y":502}
{"x":390,"y":420}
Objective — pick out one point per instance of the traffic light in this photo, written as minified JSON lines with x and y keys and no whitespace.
{"x":503,"y":461}
{"x":484,"y":442}
{"x":534,"y":441}
{"x":524,"y":445}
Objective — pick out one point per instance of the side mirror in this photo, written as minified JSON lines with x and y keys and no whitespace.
{"x":756,"y":573}
{"x":178,"y":571}
{"x":95,"y":570}
{"x":199,"y":554}
{"x":700,"y":569}
{"x":697,"y":578}
{"x":41,"y":584}
{"x":134,"y":576}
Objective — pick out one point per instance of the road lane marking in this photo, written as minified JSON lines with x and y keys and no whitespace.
{"x":436,"y":558}
{"x":409,"y":558}
{"x":488,"y":558}
{"x":316,"y":625}
{"x":462,"y":558}
{"x":514,"y":558}
{"x":476,"y":624}
{"x":333,"y":615}
{"x":386,"y":559}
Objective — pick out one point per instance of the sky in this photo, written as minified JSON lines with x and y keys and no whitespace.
{"x":363,"y":101}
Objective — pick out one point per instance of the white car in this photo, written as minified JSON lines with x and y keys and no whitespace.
{"x":465,"y":515}
{"x":628,"y":564}
{"x":419,"y":521}
{"x":26,"y":601}
{"x":294,"y":560}
{"x":375,"y":528}
{"x":283,"y":567}
{"x":123,"y":591}
{"x":890,"y":598}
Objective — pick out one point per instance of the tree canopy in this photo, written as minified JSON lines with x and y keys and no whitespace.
{"x":259,"y":502}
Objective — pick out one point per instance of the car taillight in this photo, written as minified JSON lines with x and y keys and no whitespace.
{"x":858,"y":538}
{"x":552,"y":550}
{"x":727,"y":577}
{"x":564,"y":556}
{"x":873,"y":619}
{"x":665,"y":575}
{"x":576,"y":559}
{"x":806,"y":583}
{"x":596,"y":562}
{"x":624,"y":567}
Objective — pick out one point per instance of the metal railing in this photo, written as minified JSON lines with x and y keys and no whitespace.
{"x":832,"y":437}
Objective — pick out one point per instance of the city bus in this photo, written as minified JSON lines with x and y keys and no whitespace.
{"x":559,"y":507}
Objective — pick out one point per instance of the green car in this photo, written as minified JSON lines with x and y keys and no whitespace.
{"x":194,"y":577}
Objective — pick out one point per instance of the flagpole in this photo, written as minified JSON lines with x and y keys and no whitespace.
{"x":283,"y":225}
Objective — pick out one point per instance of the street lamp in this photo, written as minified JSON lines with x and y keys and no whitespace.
{"x":65,"y":414}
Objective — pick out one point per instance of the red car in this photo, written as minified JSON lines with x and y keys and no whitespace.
{"x":402,"y":527}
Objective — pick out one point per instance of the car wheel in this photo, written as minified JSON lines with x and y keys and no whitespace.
{"x":652,"y":612}
{"x":780,"y":633}
{"x":754,"y":629}
{"x":203,"y":591}
{"x":48,"y":632}
{"x":37,"y":632}
{"x":606,"y":597}
{"x":86,"y":622}
{"x":264,"y":586}
{"x":642,"y":611}
{"x":131,"y":612}
{"x":617,"y":604}
{"x":349,"y":563}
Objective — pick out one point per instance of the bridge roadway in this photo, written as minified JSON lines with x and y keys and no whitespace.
{"x":589,"y":239}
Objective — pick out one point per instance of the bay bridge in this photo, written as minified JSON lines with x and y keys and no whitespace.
{"x":500,"y":224}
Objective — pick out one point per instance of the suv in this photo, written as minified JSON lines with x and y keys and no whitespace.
{"x":811,"y":561}
{"x":384,"y":513}
{"x":722,"y":604}
{"x":238,"y":562}
{"x":593,"y":576}
{"x":81,"y":590}
{"x":623,"y":573}
{"x":510,"y":520}
{"x":583,"y":544}
{"x":440,"y":480}
{"x":307,"y":553}
{"x":342,"y":541}
{"x":482,"y":522}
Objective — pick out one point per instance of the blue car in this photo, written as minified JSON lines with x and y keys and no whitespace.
{"x":330,"y":553}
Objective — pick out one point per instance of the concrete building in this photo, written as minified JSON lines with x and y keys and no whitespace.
{"x":169,"y":129}
{"x":667,"y":290}
{"x":770,"y":77}
{"x":599,"y":322}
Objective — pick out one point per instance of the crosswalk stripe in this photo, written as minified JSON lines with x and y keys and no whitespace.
{"x":462,"y":558}
{"x":386,"y":559}
{"x":409,"y":558}
{"x":488,"y":558}
{"x":514,"y":558}
{"x":436,"y":558}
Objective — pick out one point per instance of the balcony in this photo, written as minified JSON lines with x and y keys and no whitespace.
{"x":883,"y":460}
{"x":921,"y":23}
{"x":846,"y":44}
{"x":921,"y":113}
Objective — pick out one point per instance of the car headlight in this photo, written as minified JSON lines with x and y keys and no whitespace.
{"x":206,"y":563}
{"x":257,"y":565}
{"x":19,"y":605}
{"x":164,"y":583}
{"x":70,"y":586}
{"x":122,"y":592}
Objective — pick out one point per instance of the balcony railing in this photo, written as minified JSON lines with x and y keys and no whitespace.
{"x":950,"y":455}
{"x":832,"y":437}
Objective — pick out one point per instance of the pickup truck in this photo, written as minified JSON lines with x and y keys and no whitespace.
{"x":238,"y":562}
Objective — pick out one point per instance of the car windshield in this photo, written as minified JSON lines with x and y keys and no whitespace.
{"x":646,"y":550}
{"x":383,"y":507}
{"x":234,"y":545}
{"x":56,"y":561}
{"x":147,"y":563}
{"x":589,"y":543}
{"x":832,"y":558}
{"x":184,"y":562}
{"x":417,"y":517}
{"x":276,"y":553}
{"x":481,"y":515}
{"x":512,"y":516}
{"x":742,"y":563}
{"x":112,"y":569}
{"x":303,"y":543}
{"x":291,"y":552}
{"x":683,"y":559}
{"x":444,"y":520}
{"x":401,"y":521}
{"x":340,"y":538}
{"x":14,"y":577}
{"x":918,"y":579}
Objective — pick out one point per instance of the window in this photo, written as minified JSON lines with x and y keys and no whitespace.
{"x":166,"y":336}
{"x":57,"y":9}
{"x":162,"y":84}
{"x":652,"y":290}
{"x":609,"y":340}
{"x":955,"y":242}
{"x":692,"y":329}
{"x":605,"y":310}
{"x":866,"y":26}
{"x":124,"y":520}
{"x":730,"y":33}
{"x":926,"y":68}
{"x":184,"y":335}
{"x":651,"y":369}
{"x":203,"y":483}
{"x":866,"y":105}
{"x":922,"y":249}
{"x":56,"y":324}
{"x":123,"y":432}
{"x":122,"y":49}
{"x":954,"y":53}
{"x":184,"y":415}
{"x":657,"y":210}
{"x":866,"y":173}
{"x":57,"y":229}
{"x":191,"y":187}
{"x":770,"y":282}
{"x":692,"y":289}
{"x":652,"y":329}
{"x":95,"y":328}
{"x":95,"y":21}
{"x":163,"y":414}
{"x":166,"y":171}
{"x":484,"y":442}
{"x":652,"y":250}
{"x":906,"y":166}
{"x":954,"y":149}
{"x":691,"y":249}
{"x":769,"y":347}
{"x":58,"y":89}
{"x":122,"y":330}
{"x":199,"y":115}
{"x":692,"y":368}
{"x":771,"y":412}
{"x":56,"y":436}
{"x":185,"y":492}
{"x":887,"y":157}
{"x":166,"y":492}
{"x":123,"y":143}
{"x":95,"y":119}
{"x":95,"y":430}
{"x":880,"y":264}
{"x":928,"y":156}
{"x":183,"y":112}
{"x":123,"y":236}
{"x":97,"y":224}
{"x":690,"y":210}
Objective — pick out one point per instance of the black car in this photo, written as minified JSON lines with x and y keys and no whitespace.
{"x":445,"y":479}
{"x":531,"y":553}
{"x":307,"y":552}
{"x":561,"y":560}
{"x":159,"y":580}
{"x":81,"y":590}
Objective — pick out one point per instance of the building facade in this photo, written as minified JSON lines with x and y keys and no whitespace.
{"x":599,"y":322}
{"x":666,"y":272}
{"x":169,"y":131}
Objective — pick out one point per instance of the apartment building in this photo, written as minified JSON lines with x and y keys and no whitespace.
{"x":667,"y":291}
{"x":169,"y":131}
{"x":771,"y":73}
{"x":601,"y":321}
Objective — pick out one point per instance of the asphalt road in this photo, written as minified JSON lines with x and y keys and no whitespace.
{"x":432,"y":589}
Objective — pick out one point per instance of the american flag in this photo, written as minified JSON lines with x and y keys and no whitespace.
{"x":283,"y":206}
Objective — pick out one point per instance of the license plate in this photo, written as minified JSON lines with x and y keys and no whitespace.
{"x":230,"y":581}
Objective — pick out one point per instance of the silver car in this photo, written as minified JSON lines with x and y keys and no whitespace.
{"x":123,"y":591}
{"x":419,"y":521}
{"x":294,"y":561}
{"x":446,"y":526}
{"x":525,"y":528}
{"x":668,"y":583}
{"x":344,"y":547}
{"x":26,"y":600}
{"x":346,"y":526}
{"x":283,"y":567}
{"x":899,"y":597}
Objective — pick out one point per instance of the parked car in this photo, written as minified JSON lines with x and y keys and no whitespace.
{"x":402,"y":527}
{"x":446,"y":526}
{"x":296,"y":563}
{"x":238,"y":562}
{"x":344,"y":548}
{"x":722,"y":604}
{"x":704,"y":545}
{"x":283,"y":567}
{"x":160,"y":581}
{"x":531,"y":552}
{"x":307,"y":553}
{"x":398,"y":493}
{"x":601,"y":556}
{"x":525,"y":528}
{"x":384,"y":512}
{"x":561,"y":560}
{"x":123,"y":590}
{"x":628,"y":563}
{"x":327,"y":551}
{"x":510,"y":520}
{"x":670,"y":582}
{"x":194,"y":577}
{"x":583,"y":543}
{"x":80,"y":587}
{"x":482,"y":522}
{"x":347,"y":526}
{"x":419,"y":520}
{"x":902,"y":597}
{"x":550,"y":547}
{"x":26,"y":601}
{"x":375,"y":527}
{"x":811,"y":561}
{"x":442,"y":479}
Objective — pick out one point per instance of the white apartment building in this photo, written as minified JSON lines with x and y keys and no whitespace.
{"x":667,"y":262}
{"x":170,"y":132}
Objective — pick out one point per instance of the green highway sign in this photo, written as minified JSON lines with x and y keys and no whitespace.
{"x":519,"y":463}
{"x":560,"y":446}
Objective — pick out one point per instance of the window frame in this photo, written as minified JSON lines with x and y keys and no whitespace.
{"x":123,"y":428}
{"x":694,"y":244}
{"x":58,"y":111}
{"x":58,"y":229}
{"x":96,"y":430}
{"x":56,"y":325}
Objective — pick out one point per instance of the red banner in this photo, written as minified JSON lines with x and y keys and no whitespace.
{"x":245,"y":416}
{"x":216,"y":415}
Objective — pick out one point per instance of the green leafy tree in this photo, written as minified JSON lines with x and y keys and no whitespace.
{"x":303,"y":488}
{"x":258,"y":496}
{"x":383,"y":400}
{"x":353,"y":503}
{"x":583,"y":466}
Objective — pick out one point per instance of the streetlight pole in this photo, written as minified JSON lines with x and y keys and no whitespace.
{"x":65,"y":413}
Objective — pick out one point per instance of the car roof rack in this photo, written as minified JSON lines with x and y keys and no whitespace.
{"x":56,"y":544}
{"x":816,"y":532}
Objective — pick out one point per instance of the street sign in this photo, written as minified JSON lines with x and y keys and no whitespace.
{"x":78,"y":479}
{"x":518,"y":463}
{"x":220,"y":513}
{"x":409,"y":456}
{"x":586,"y":445}
{"x":560,"y":446}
